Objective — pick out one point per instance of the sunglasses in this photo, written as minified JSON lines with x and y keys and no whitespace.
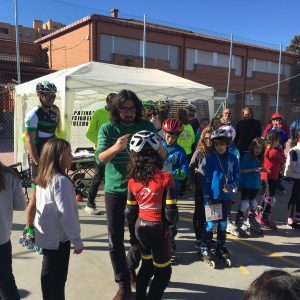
{"x":172,"y":134}
{"x":49,"y":96}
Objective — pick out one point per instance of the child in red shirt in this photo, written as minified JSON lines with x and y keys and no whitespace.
{"x":274,"y":159}
{"x":151,"y":206}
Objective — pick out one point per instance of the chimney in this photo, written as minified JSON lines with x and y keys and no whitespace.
{"x":37,"y":24}
{"x":114,"y":12}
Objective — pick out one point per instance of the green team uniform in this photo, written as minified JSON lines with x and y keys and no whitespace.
{"x":98,"y":118}
{"x":115,"y":170}
{"x":43,"y":123}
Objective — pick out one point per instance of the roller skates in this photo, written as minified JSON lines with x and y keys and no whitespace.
{"x":223,"y":254}
{"x":232,"y":228}
{"x":253,"y":225}
{"x":243,"y":229}
{"x":267,"y":223}
{"x":208,"y":254}
{"x":27,"y":240}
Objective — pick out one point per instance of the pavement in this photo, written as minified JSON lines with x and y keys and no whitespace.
{"x":91,"y":275}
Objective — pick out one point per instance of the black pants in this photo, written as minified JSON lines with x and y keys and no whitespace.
{"x":295,"y":199}
{"x":55,"y":271}
{"x":94,"y":187}
{"x":8,"y":288}
{"x":115,"y":206}
{"x":183,"y":183}
{"x":273,"y":184}
{"x":199,"y":213}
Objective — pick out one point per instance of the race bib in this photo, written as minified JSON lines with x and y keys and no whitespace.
{"x":213,"y":212}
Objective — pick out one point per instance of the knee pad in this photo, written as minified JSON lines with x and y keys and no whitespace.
{"x":244,"y":205}
{"x":210,"y":226}
{"x":223,"y":225}
{"x":253,"y":204}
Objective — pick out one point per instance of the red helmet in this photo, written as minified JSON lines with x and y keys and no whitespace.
{"x":172,"y":125}
{"x":276,"y":116}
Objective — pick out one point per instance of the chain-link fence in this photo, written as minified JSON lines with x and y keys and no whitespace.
{"x":253,"y":80}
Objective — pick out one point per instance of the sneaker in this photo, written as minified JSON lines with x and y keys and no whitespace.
{"x":294,"y":225}
{"x":92,"y":210}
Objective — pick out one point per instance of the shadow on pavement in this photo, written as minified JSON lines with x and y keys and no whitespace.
{"x":201,"y":292}
{"x":24,"y":293}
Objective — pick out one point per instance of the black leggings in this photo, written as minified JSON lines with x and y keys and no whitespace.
{"x":159,"y":283}
{"x":199,"y":214}
{"x":294,"y":199}
{"x":266,"y":207}
{"x":55,"y":271}
{"x":8,"y":288}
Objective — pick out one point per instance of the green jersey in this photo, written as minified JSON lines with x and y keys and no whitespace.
{"x":116,"y":169}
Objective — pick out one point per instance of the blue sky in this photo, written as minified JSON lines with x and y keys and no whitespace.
{"x":265,"y":22}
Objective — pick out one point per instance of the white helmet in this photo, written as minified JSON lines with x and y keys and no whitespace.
{"x":140,"y":138}
{"x":220,"y":133}
{"x":230,"y":130}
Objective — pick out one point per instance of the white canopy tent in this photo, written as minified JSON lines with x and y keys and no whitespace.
{"x":83,"y":89}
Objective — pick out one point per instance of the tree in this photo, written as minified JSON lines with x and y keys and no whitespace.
{"x":295,"y":45}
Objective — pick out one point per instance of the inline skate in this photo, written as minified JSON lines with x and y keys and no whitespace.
{"x":223,"y":254}
{"x":27,"y":240}
{"x":242,"y":227}
{"x":253,"y":225}
{"x":208,"y":255}
{"x":232,"y":228}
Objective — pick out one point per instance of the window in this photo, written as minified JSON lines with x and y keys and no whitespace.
{"x":113,"y":44}
{"x":13,"y":57}
{"x":267,"y":66}
{"x":4,"y":30}
{"x":28,"y":35}
{"x":273,"y":100}
{"x":209,"y":58}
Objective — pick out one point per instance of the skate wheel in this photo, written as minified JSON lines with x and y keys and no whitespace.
{"x":212,"y":264}
{"x":38,"y":250}
{"x":79,"y":198}
{"x":228,"y":262}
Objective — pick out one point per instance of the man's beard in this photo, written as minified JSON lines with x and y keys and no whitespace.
{"x":128,"y":120}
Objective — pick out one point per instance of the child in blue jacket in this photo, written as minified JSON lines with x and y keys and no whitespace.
{"x":175,"y":162}
{"x":221,"y":178}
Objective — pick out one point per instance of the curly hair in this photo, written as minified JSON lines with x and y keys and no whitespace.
{"x":119,"y":100}
{"x":201,"y":144}
{"x":143,"y":165}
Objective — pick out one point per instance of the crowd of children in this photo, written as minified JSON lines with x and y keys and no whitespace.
{"x":212,"y":167}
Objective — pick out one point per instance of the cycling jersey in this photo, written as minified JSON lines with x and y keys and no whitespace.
{"x":43,"y":123}
{"x":152,"y":196}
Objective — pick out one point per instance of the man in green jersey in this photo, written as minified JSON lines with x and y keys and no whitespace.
{"x":40,"y":124}
{"x":99,"y":117}
{"x":113,"y":150}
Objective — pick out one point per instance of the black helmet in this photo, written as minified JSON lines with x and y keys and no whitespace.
{"x":45,"y":87}
{"x":192,"y":108}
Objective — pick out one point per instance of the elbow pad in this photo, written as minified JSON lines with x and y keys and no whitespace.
{"x":171,"y":215}
{"x":131,"y":213}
